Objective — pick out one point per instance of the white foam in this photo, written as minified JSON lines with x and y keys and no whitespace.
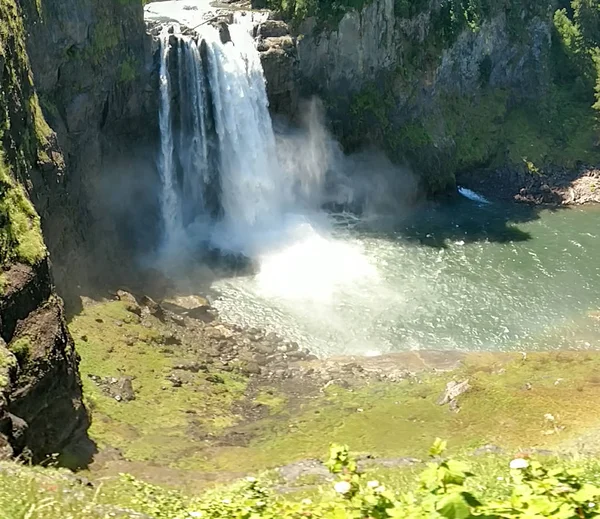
{"x":472,"y":195}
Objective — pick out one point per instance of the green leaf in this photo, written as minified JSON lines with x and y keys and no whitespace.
{"x":438,"y":448}
{"x":453,"y":506}
{"x":586,"y":493}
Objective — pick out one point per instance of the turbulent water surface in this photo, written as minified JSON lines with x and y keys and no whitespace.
{"x":452,"y":277}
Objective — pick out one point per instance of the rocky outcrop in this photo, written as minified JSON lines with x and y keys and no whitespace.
{"x":279,"y":59}
{"x":41,"y":407}
{"x":92,"y":67}
{"x":417,"y":80}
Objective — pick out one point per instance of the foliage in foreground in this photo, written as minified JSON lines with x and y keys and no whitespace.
{"x":445,"y":489}
{"x":442,"y":491}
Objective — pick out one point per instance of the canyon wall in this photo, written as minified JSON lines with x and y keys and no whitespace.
{"x":41,"y":407}
{"x":446,"y":87}
{"x":92,"y":64}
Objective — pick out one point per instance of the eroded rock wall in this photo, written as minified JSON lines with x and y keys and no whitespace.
{"x":91,"y":60}
{"x":415,"y":82}
{"x":41,"y":407}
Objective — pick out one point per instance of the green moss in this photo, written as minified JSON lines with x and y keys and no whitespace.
{"x":272,"y":399}
{"x":127,"y":70}
{"x":20,"y":232}
{"x":21,"y":348}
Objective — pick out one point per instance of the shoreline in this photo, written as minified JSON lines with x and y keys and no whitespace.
{"x":549,"y":187}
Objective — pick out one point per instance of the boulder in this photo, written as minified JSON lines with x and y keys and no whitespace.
{"x":272,"y":29}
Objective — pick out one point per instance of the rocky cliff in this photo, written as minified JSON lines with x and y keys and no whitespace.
{"x":445,"y":86}
{"x":92,"y":67}
{"x":41,"y":408}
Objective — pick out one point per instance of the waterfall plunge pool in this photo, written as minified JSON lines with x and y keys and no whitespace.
{"x":462,"y":276}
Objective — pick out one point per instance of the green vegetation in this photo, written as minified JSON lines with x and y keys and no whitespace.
{"x":191,"y":427}
{"x":327,"y":12}
{"x":579,"y":31}
{"x":492,"y":487}
{"x":20,"y":232}
{"x":164,"y":423}
{"x":128,"y":70}
{"x":402,"y":419}
{"x":21,"y":348}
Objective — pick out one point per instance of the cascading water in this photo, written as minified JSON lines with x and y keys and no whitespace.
{"x":252,"y":190}
{"x":169,"y":199}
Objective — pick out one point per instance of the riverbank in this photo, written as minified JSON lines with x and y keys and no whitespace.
{"x":182,"y":399}
{"x":554,"y":186}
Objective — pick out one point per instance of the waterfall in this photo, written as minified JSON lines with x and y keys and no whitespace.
{"x":213,"y":95}
{"x":169,"y":200}
{"x":254,"y":193}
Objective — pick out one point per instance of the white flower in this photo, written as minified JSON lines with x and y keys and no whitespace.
{"x":500,"y":478}
{"x":250,"y":479}
{"x":380,"y":489}
{"x":519,"y":463}
{"x":226,"y":501}
{"x":195,"y":514}
{"x":342,"y":487}
{"x":549,"y":417}
{"x":373,"y":484}
{"x":307,"y":501}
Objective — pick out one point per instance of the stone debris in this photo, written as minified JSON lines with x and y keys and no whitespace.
{"x":119,"y":388}
{"x":452,"y":392}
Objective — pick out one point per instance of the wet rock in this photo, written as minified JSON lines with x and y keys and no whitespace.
{"x":223,"y":29}
{"x":453,"y":391}
{"x":177,"y":319}
{"x":264,"y":349}
{"x":218,"y":332}
{"x":193,"y":306}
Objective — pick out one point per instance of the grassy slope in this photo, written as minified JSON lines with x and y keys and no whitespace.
{"x":155,"y":426}
{"x":183,"y":427}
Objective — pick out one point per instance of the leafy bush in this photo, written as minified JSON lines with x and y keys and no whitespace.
{"x":444,"y":490}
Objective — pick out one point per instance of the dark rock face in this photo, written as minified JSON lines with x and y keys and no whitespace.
{"x":280,"y":63}
{"x":272,"y":29}
{"x":388,"y":79}
{"x":41,"y":410}
{"x":91,"y":61}
{"x":41,"y":407}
